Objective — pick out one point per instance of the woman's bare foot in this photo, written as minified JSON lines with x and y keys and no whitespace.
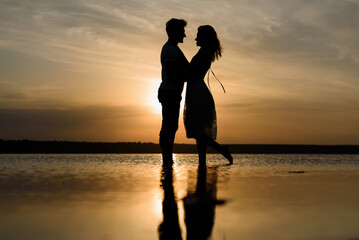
{"x":227,"y":154}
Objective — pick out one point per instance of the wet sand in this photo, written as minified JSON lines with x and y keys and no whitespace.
{"x":133,"y":197}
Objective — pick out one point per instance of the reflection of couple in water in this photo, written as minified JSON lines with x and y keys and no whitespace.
{"x":199,"y":205}
{"x":199,"y":112}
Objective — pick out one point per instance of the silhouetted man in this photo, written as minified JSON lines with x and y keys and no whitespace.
{"x":174,"y":68}
{"x":169,"y":229}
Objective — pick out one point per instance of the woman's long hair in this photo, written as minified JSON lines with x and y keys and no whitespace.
{"x":211,"y":40}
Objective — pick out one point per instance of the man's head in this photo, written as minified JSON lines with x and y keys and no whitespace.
{"x":175,"y":30}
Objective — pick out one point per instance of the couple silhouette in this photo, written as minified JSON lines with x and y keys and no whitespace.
{"x":199,"y":111}
{"x":199,"y":205}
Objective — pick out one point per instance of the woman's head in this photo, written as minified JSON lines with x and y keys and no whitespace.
{"x":207,"y":38}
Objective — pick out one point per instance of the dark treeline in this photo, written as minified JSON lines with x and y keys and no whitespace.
{"x":29,"y":146}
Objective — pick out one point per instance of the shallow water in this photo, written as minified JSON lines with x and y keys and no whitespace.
{"x":131,"y":196}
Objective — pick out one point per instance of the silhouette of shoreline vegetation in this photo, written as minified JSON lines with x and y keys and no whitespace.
{"x":30,"y":146}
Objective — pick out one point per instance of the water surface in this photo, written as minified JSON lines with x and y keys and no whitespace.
{"x":131,"y":196}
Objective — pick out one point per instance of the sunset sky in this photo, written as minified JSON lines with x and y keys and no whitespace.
{"x":88,"y":70}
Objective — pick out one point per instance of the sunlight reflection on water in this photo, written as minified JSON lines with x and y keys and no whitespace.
{"x":125,"y":196}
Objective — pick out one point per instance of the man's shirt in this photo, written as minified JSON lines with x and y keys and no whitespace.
{"x":174,"y":67}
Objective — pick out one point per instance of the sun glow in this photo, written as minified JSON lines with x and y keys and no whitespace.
{"x":152,"y":100}
{"x":156,"y":106}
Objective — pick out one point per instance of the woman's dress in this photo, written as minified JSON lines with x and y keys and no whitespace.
{"x":199,"y":111}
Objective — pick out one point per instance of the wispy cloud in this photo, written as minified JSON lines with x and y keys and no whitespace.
{"x":75,"y":32}
{"x":113,"y":32}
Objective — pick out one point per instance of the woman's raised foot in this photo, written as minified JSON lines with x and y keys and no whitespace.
{"x":227,"y":154}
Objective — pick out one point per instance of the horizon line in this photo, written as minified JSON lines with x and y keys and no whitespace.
{"x":139,"y":142}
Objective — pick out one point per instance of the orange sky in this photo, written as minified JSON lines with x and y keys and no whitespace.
{"x":89,"y":70}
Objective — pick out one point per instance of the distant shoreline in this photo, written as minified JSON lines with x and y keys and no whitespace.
{"x":30,"y":146}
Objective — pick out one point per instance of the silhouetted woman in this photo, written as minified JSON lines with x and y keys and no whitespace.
{"x":200,"y":204}
{"x":199,"y":112}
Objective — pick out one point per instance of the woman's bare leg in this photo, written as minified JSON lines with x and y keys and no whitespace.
{"x":220,"y":148}
{"x":202,"y":150}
